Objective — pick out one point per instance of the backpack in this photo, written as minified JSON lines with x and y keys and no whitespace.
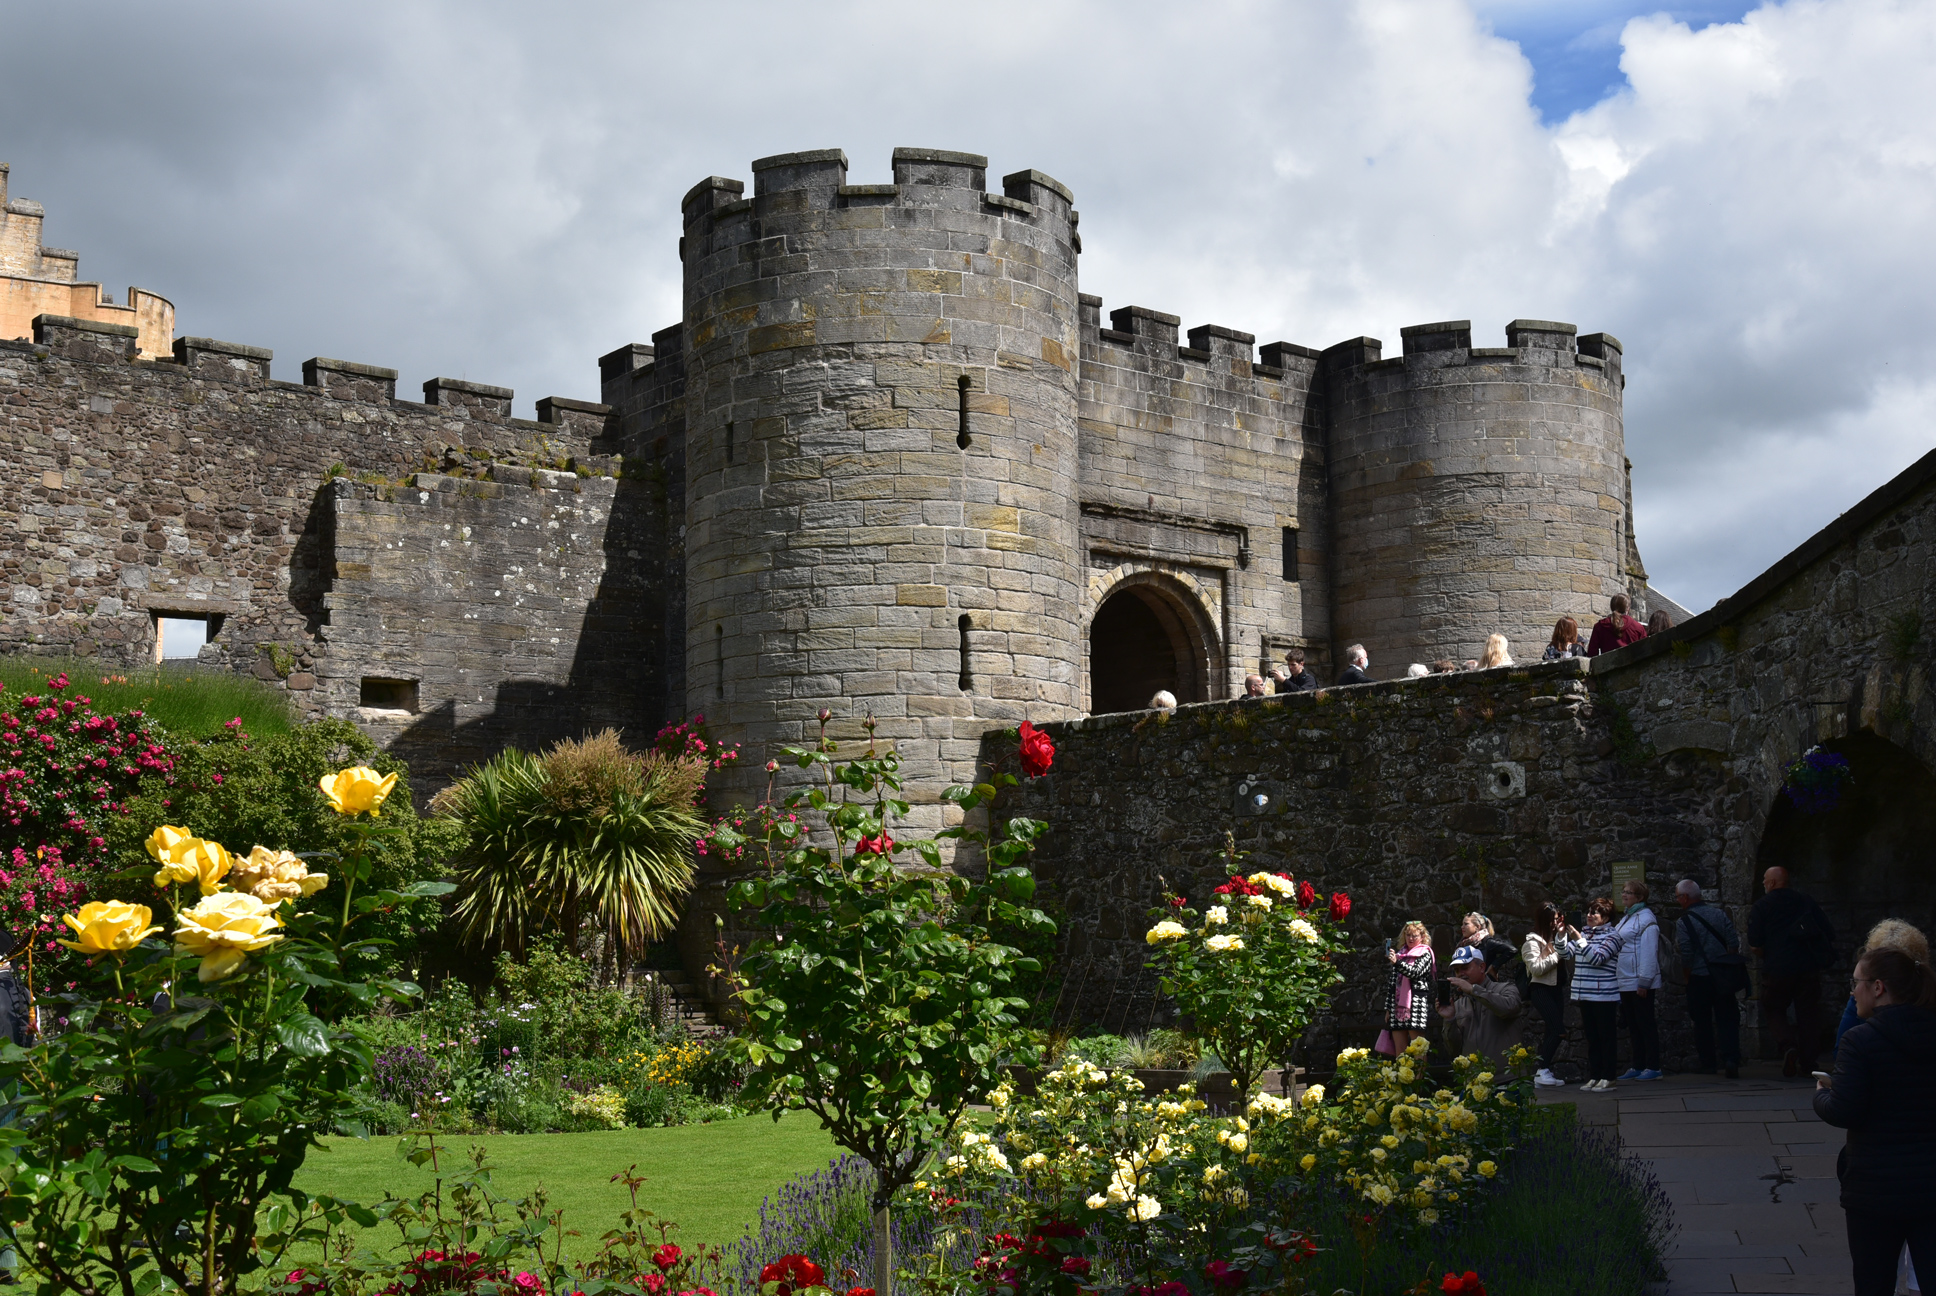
{"x":1667,"y":955}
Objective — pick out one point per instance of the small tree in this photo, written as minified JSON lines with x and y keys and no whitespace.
{"x":881,"y":1003}
{"x":1252,"y":969}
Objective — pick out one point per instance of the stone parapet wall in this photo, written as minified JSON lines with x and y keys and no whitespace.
{"x":199,"y":486}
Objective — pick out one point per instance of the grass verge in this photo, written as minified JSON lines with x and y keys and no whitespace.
{"x":186,"y":700}
{"x":710,"y":1179}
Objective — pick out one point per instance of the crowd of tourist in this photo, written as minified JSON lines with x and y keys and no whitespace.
{"x":1615,"y":630}
{"x":1612,"y":966}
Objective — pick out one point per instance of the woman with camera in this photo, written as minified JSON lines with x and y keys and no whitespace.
{"x":1541,"y":952}
{"x":1408,"y":993}
{"x":1596,"y":988}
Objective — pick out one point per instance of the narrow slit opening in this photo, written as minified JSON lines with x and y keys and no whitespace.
{"x":719,"y":661}
{"x":1290,"y":553}
{"x":962,"y":438}
{"x":729,"y":441}
{"x":967,"y":680}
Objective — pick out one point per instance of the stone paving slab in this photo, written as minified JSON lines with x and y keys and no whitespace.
{"x":1751,"y":1175}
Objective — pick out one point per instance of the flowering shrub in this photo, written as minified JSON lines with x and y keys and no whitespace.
{"x":886,"y":1005}
{"x":691,"y":738}
{"x":66,"y":770}
{"x":155,"y":1128}
{"x":739,"y":836}
{"x":1405,"y":1146}
{"x":1253,"y":968}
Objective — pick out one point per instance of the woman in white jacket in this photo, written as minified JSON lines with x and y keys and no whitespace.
{"x":1638,"y":977}
{"x":1541,"y":952}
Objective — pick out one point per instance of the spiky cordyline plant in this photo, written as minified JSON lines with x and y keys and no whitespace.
{"x":588,"y":830}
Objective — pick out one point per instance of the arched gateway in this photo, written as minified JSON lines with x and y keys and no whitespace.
{"x":1151,"y":633}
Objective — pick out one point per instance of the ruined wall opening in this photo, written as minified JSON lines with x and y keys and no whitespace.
{"x":1144,"y":639}
{"x":1872,"y":857}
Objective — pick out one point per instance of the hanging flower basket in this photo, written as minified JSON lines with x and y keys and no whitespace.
{"x":1818,"y":781}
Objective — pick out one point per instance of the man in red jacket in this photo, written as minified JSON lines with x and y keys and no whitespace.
{"x":1616,"y":631}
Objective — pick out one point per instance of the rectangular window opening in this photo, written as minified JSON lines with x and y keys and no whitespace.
{"x":180,"y":638}
{"x":967,"y":680}
{"x":389,"y":694}
{"x":962,"y":439}
{"x":1290,"y":553}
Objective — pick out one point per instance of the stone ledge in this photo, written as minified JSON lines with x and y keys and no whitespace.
{"x":83,"y":326}
{"x":323,"y":364}
{"x":1011,"y":204}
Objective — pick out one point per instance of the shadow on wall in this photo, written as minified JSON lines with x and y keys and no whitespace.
{"x":618,"y":676}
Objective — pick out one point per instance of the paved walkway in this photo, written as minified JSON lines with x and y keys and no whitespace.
{"x":1751,"y":1172}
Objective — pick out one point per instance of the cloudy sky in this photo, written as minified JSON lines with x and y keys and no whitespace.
{"x":1741,"y":194}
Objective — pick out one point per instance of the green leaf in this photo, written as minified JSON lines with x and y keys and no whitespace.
{"x":304,"y":1035}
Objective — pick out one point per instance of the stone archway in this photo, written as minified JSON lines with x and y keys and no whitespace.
{"x":1872,"y":857}
{"x":1149,"y":633}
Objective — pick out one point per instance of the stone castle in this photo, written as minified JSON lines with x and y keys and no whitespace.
{"x":890,"y":462}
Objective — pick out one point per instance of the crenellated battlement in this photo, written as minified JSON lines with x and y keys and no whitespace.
{"x":1153,"y":333}
{"x":1448,"y":343}
{"x":719,"y":211}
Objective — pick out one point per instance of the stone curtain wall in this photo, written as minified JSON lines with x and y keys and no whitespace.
{"x":1492,"y":790}
{"x":1176,"y":437}
{"x":1495,"y":790}
{"x":1476,"y":489}
{"x":197,"y":487}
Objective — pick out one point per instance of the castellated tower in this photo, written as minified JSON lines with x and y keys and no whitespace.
{"x":1474,"y":489}
{"x":881,"y":468}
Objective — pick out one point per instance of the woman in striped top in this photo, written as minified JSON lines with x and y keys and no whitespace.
{"x":1596,"y":957}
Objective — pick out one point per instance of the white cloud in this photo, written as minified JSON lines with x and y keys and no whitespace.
{"x":491,"y":191}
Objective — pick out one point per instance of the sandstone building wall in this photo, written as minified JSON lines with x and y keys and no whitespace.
{"x":40,"y":280}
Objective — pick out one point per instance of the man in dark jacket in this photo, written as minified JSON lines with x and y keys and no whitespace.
{"x":1705,"y":935}
{"x":1615,"y":631}
{"x":15,"y":1012}
{"x":1884,"y":1094}
{"x":1355,"y":661}
{"x":1297,"y":679}
{"x":1795,"y":942}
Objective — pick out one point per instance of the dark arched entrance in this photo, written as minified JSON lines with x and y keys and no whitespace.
{"x":1870,"y":858}
{"x":1142,"y":641}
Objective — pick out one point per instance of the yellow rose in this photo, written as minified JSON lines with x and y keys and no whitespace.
{"x":1307,"y":1162}
{"x":210,"y":861}
{"x":166,"y":842}
{"x":109,"y":927}
{"x":357,"y":790}
{"x":275,"y":876}
{"x":224,"y":929}
{"x":1488,"y":1169}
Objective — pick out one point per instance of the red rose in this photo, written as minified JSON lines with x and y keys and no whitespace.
{"x":1076,"y":1266}
{"x":1037,"y":751}
{"x":881,"y":845}
{"x":1340,"y":906}
{"x":1307,"y":895}
{"x":1224,"y":1275}
{"x":793,"y":1271}
{"x":1466,"y":1285}
{"x":667,"y":1256}
{"x":654,"y":1283}
{"x":860,"y":1291}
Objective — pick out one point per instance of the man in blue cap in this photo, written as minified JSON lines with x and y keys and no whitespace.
{"x":1485,"y":1010}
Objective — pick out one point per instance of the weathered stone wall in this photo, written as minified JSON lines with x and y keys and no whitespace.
{"x":1475,"y":489}
{"x":198,"y":487}
{"x":510,"y":603}
{"x":1196,"y":462}
{"x":1496,"y":790}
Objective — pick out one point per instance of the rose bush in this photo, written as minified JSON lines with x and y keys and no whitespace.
{"x":152,"y":1130}
{"x":1251,"y":970}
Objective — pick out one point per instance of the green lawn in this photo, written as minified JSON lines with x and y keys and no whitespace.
{"x":709,"y":1178}
{"x":191,"y":702}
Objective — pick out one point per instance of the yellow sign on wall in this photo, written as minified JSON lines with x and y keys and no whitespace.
{"x":1625,"y":871}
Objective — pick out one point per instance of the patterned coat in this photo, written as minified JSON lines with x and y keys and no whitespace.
{"x":1419,"y":970}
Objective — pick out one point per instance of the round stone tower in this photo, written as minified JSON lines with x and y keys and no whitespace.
{"x":881,"y":499}
{"x":1476,"y":490}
